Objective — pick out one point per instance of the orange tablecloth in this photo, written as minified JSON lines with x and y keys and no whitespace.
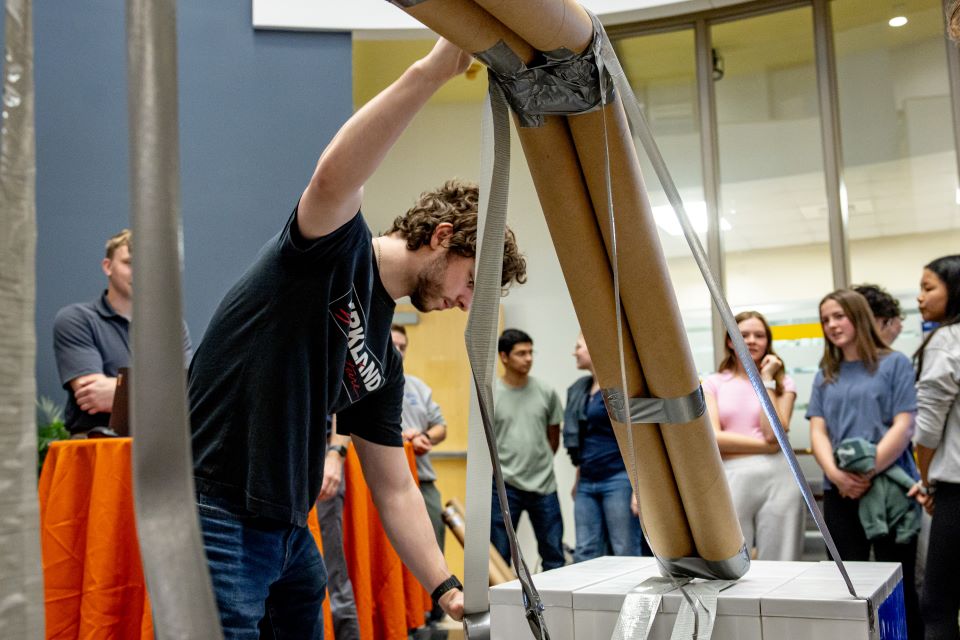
{"x":389,"y":599}
{"x":93,"y":579}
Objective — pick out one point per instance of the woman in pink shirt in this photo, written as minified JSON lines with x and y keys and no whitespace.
{"x":768,"y":503}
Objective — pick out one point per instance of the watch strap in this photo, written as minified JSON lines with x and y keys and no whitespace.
{"x":339,"y":448}
{"x":450,"y":583}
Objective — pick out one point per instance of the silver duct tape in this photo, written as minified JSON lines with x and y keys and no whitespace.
{"x":698,"y":611}
{"x":477,"y":626}
{"x":655,"y":410}
{"x":729,"y":569}
{"x":557,"y":82}
{"x":405,"y":4}
{"x":640,"y":608}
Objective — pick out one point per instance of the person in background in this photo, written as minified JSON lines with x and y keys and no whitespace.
{"x":886,"y":310}
{"x":861,"y":415}
{"x":938,"y":444}
{"x":91,"y":341}
{"x":604,"y":511}
{"x":423,"y":427}
{"x":526,"y":421}
{"x":768,"y":503}
{"x":343,"y":606}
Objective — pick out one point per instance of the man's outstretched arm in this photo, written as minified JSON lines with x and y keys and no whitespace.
{"x":335,"y":190}
{"x":405,"y":518}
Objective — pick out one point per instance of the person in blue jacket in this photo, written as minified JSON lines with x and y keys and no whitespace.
{"x":604,"y":508}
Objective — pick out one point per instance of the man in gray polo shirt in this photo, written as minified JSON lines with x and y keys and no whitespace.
{"x":91,"y":341}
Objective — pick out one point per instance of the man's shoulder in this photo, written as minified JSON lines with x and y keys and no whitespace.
{"x":74,"y":313}
{"x":539,"y":386}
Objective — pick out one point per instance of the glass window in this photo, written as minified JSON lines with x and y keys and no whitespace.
{"x":661,"y":69}
{"x":773,"y":196}
{"x":900,"y":165}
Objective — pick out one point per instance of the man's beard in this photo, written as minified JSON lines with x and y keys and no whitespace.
{"x":429,"y":284}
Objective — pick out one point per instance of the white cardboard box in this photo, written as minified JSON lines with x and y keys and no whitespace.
{"x":774,"y":600}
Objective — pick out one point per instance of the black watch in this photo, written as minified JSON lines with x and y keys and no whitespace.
{"x":450,"y":583}
{"x":339,"y":448}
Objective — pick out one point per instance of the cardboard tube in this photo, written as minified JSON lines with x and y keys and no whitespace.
{"x":657,"y":327}
{"x":545,"y":24}
{"x":559,"y":182}
{"x":453,"y":517}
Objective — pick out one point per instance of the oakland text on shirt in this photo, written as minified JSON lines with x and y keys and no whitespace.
{"x":362,"y":371}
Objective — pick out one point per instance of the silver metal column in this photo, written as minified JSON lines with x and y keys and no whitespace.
{"x":953,"y":74}
{"x":710,"y":164}
{"x":832,"y":147}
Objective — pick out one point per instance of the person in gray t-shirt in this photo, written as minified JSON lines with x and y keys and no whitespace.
{"x":526,"y":421}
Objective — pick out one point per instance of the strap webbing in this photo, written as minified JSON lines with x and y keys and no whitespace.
{"x":21,"y":580}
{"x":167,"y":526}
{"x":641,"y":132}
{"x":481,"y":335}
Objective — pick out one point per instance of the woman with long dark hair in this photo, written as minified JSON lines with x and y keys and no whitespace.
{"x":768,"y":503}
{"x":938,"y":444}
{"x":861,"y":415}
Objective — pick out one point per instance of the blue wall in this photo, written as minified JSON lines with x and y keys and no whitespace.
{"x":256,"y":109}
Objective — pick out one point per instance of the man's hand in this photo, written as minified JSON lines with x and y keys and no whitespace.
{"x":332,"y":476}
{"x":94,"y":392}
{"x":850,"y":485}
{"x":446,"y":60}
{"x":452,"y":604}
{"x":421,"y":443}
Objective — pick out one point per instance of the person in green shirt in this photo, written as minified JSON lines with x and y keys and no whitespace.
{"x":526,"y":421}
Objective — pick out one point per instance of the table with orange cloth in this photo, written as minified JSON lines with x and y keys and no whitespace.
{"x":93,"y":578}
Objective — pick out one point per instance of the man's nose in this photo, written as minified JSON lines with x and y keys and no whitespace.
{"x":464,"y":300}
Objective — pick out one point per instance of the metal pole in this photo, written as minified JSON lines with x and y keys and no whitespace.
{"x":953,"y":74}
{"x":710,"y":163}
{"x":832,"y":148}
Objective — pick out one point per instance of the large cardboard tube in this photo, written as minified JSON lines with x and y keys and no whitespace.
{"x":546,"y":25}
{"x":559,"y":182}
{"x":656,"y":325}
{"x":557,"y":175}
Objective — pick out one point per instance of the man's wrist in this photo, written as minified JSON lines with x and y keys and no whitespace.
{"x":447,"y":585}
{"x":339,"y":449}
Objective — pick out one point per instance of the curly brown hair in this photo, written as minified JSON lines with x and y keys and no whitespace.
{"x":456,"y":202}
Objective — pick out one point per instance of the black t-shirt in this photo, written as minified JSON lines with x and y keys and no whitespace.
{"x":303,"y":334}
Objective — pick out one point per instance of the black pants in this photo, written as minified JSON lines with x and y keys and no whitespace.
{"x":941,"y":581}
{"x":843,"y":520}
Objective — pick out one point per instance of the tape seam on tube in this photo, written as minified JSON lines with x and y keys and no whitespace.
{"x":655,"y":410}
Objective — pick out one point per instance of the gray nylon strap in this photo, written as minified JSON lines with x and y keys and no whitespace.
{"x":21,"y":579}
{"x":481,"y":336}
{"x":641,"y":132}
{"x":698,"y":610}
{"x":654,"y":410}
{"x":167,"y":526}
{"x":641,"y":606}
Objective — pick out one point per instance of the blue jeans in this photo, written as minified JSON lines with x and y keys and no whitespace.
{"x":603,"y":519}
{"x":544,"y":512}
{"x":268,"y":578}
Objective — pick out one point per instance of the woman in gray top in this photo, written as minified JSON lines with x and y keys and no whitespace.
{"x":938,"y":444}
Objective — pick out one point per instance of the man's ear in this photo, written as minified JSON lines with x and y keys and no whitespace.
{"x":441,"y":235}
{"x":105,"y":265}
{"x":503,"y":357}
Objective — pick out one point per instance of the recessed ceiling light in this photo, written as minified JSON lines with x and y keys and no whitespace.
{"x":898,"y":21}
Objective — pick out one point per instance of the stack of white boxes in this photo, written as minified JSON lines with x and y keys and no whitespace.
{"x":775,"y":600}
